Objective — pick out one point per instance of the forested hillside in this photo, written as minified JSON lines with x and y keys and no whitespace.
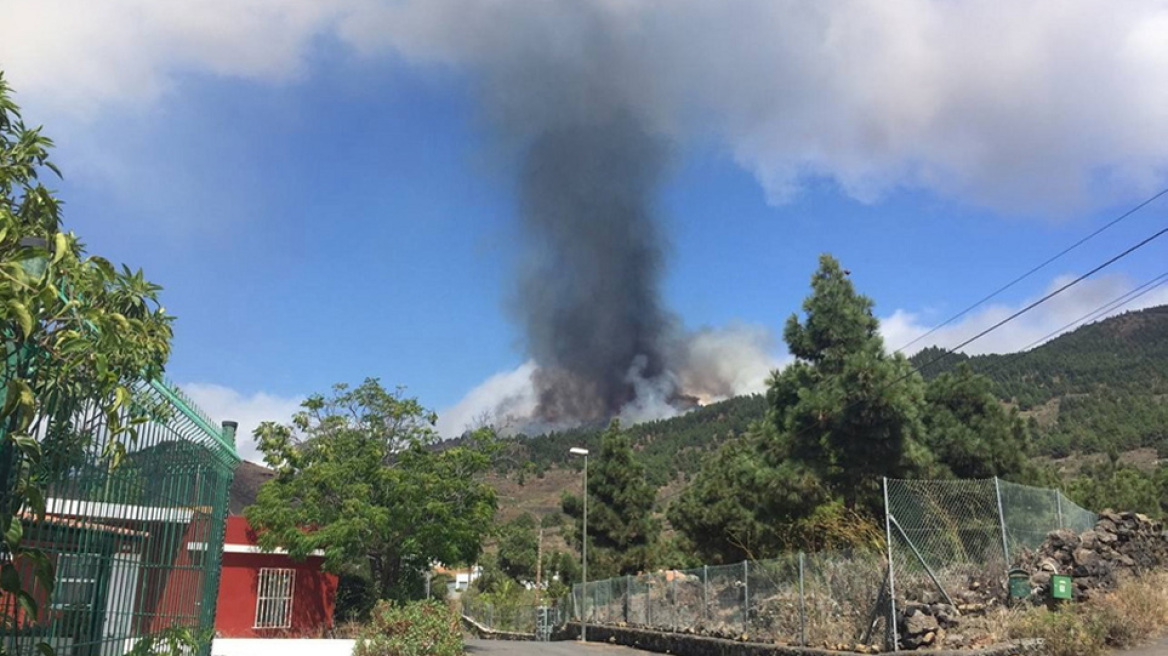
{"x":666,"y":447}
{"x":1100,"y":388}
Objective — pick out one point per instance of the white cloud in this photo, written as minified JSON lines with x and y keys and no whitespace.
{"x":904,"y":326}
{"x":1022,"y":105}
{"x":250,"y":410}
{"x":79,"y":56}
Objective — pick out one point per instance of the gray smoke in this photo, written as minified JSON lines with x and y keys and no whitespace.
{"x":589,"y":296}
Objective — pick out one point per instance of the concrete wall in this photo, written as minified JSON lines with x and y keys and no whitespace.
{"x":281,"y":647}
{"x":681,"y":644}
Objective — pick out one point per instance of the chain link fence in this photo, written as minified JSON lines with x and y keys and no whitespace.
{"x":796,"y":599}
{"x":515,"y":617}
{"x":952,"y":537}
{"x":945,"y":537}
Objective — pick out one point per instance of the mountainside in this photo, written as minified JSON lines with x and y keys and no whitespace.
{"x":1102,"y":387}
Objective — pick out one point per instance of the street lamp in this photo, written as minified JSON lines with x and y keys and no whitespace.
{"x":577,"y":451}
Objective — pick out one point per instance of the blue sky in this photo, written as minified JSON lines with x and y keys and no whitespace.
{"x":343,"y":210}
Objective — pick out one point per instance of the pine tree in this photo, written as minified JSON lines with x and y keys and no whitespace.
{"x":621,"y":528}
{"x":847,"y":409}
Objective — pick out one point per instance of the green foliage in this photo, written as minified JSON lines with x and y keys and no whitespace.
{"x":747,"y":505}
{"x":173,"y":641}
{"x":621,"y":527}
{"x":72,"y":327}
{"x":1068,"y":631}
{"x":665,"y":446}
{"x":1105,"y":383}
{"x":356,"y":596}
{"x":358,"y":476}
{"x":420,"y":628}
{"x":851,"y":412}
{"x":1120,"y":487}
{"x":519,"y":548}
{"x":970,"y":431}
{"x":841,"y":417}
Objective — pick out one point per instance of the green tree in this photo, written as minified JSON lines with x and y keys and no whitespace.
{"x":621,"y":527}
{"x":848,"y":410}
{"x":73,"y":328}
{"x":519,"y":548}
{"x":1110,"y":484}
{"x":968,"y":429}
{"x":750,"y":501}
{"x":841,"y":417}
{"x":360,"y":475}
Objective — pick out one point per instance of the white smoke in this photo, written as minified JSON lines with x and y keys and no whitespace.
{"x":715,"y":364}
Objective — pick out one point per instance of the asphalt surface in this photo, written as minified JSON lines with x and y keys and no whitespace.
{"x":564,"y":648}
{"x":1156,"y":648}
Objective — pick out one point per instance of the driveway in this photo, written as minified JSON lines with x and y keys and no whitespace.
{"x":565,"y":648}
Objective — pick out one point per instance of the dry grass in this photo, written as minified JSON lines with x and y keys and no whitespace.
{"x":1133,"y":613}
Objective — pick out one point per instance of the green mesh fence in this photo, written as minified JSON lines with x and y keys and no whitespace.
{"x":136,"y":547}
{"x":948,"y":537}
{"x":796,"y":599}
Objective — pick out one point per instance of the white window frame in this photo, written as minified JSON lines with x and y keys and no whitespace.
{"x":83,"y":562}
{"x":275,"y":589}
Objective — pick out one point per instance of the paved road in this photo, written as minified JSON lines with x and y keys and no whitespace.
{"x":566,"y":648}
{"x":1155,"y":648}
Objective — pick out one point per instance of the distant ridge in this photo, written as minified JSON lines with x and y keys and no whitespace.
{"x":1101,"y":386}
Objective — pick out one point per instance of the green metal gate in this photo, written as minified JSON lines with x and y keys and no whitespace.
{"x":137,"y":546}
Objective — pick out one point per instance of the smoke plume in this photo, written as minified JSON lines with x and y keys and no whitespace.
{"x":589,"y":298}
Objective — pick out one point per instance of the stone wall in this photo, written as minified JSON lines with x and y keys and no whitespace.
{"x":681,"y":644}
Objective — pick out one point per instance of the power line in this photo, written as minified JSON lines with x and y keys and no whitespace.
{"x":1062,"y":289}
{"x":1111,"y":305}
{"x":1036,"y":269}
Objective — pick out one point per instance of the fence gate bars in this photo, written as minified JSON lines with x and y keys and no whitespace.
{"x":137,"y":546}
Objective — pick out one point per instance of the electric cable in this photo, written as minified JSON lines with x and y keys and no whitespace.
{"x":1036,"y":269}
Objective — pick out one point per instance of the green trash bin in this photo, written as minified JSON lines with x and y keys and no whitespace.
{"x":1060,"y":587}
{"x":1018,"y":581}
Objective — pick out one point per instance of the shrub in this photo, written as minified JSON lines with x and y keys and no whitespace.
{"x":420,"y":628}
{"x":1067,"y":631}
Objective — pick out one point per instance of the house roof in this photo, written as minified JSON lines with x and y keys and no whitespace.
{"x":72,"y":522}
{"x":245,"y":487}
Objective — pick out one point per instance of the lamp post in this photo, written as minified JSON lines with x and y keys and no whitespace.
{"x":577,"y":451}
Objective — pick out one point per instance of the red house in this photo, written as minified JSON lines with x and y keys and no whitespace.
{"x":268,"y":595}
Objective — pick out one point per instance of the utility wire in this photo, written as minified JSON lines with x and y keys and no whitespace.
{"x":1036,"y":269}
{"x":1062,"y":289}
{"x":1110,"y":306}
{"x":952,"y":351}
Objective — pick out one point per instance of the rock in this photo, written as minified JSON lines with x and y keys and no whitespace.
{"x":1085,"y":557}
{"x":920,"y":624}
